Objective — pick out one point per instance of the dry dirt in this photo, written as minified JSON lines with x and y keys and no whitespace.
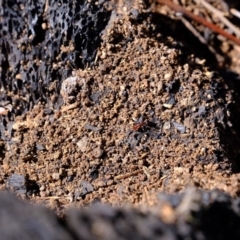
{"x":149,"y":116}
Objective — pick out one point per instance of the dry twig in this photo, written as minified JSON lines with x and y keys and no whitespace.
{"x":123,"y":176}
{"x":235,"y":12}
{"x":190,"y":27}
{"x":220,"y":15}
{"x":200,"y":20}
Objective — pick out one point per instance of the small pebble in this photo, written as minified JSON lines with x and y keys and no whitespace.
{"x":82,"y":144}
{"x":55,"y":176}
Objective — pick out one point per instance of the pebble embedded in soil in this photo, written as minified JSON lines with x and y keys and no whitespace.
{"x":17,"y":184}
{"x":82,"y":144}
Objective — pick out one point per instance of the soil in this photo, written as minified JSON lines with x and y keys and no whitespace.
{"x":149,"y":115}
{"x":193,"y":214}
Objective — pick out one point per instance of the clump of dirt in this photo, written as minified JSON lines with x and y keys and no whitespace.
{"x":146,"y":117}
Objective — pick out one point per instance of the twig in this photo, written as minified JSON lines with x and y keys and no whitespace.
{"x":46,"y":7}
{"x":123,"y":176}
{"x":190,"y":27}
{"x":199,"y":19}
{"x":220,"y":15}
{"x":66,"y":108}
{"x":51,"y":197}
{"x":235,"y":12}
{"x":69,"y":107}
{"x":146,"y":172}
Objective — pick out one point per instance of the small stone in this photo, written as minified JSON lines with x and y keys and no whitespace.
{"x":55,"y":176}
{"x":68,"y":88}
{"x":103,"y":55}
{"x":17,"y":183}
{"x":166,"y":125}
{"x":82,"y":144}
{"x":5,"y":167}
{"x":18,"y":76}
{"x":97,"y":152}
{"x":86,"y":187}
{"x":44,"y":26}
{"x":168,"y":76}
{"x":200,"y":61}
{"x":43,"y":194}
{"x":3,"y":111}
{"x":100,"y":184}
{"x":135,"y":115}
{"x":179,"y":127}
{"x":167,"y":105}
{"x":209,"y":74}
{"x":57,"y":155}
{"x":110,"y":182}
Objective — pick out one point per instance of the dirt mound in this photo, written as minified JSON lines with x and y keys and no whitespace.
{"x":146,"y":117}
{"x":143,"y":116}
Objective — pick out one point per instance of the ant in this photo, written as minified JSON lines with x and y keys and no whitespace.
{"x":139,"y":124}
